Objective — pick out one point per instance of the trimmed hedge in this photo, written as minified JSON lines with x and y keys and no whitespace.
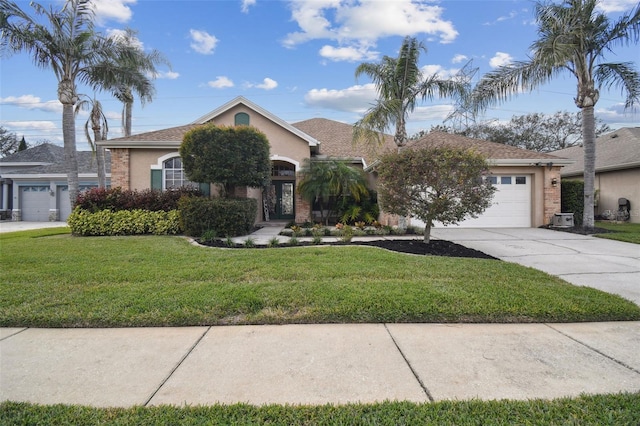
{"x":573,"y":199}
{"x":116,"y":199}
{"x":229,"y":217}
{"x":124,"y":222}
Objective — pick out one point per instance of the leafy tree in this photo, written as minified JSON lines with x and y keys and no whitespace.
{"x":573,"y":37}
{"x":8,"y":142}
{"x":434,"y":184}
{"x":65,"y":41}
{"x":399,"y":83}
{"x":535,"y":132}
{"x":229,"y":156}
{"x":326,"y":181}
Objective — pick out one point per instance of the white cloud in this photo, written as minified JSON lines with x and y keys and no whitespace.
{"x":203,"y":42}
{"x":459,"y":58}
{"x":30,"y":125}
{"x":617,"y":113}
{"x":500,"y":59}
{"x":116,"y":10}
{"x":267,"y":84}
{"x":220,"y":82}
{"x":356,"y":98}
{"x":168,"y":75}
{"x":429,"y":70}
{"x":246,"y":4}
{"x":350,"y":54}
{"x":118,"y":34}
{"x":356,"y":25}
{"x":431,"y":112}
{"x":33,"y":103}
{"x":611,"y":6}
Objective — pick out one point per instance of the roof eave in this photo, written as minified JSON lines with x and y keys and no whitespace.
{"x":626,"y":166}
{"x":140,"y":144}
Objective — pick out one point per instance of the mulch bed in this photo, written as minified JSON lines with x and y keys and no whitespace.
{"x":417,"y":247}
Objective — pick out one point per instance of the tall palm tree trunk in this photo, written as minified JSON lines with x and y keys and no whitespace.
{"x":126,"y":118}
{"x":589,"y":142}
{"x":71,"y":159}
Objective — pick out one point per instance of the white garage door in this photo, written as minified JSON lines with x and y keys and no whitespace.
{"x":34,"y":203}
{"x":510,"y":207}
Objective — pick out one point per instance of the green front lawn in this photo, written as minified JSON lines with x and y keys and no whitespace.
{"x":628,"y":232}
{"x":618,"y":409}
{"x":51,"y":279}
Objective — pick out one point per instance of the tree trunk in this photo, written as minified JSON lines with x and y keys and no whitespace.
{"x":126,"y":118}
{"x":589,"y":144}
{"x":100,"y":156}
{"x":427,"y":232}
{"x":71,"y":159}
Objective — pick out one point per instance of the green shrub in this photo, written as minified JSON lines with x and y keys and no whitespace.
{"x":572,"y":199}
{"x":115,"y":199}
{"x":226,"y":216}
{"x":123,"y":222}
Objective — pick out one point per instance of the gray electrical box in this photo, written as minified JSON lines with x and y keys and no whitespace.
{"x":562,"y":220}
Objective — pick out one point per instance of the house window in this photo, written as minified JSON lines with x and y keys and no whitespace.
{"x":505,"y":180}
{"x":173,"y":175}
{"x":283,"y":170}
{"x":241,"y":119}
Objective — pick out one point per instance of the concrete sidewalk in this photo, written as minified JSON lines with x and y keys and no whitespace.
{"x":317,"y":364}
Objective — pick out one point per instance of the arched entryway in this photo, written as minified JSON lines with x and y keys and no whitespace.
{"x":280,"y":199}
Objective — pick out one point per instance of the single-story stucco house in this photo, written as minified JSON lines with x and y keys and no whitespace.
{"x":617,"y":170}
{"x":33,"y":183}
{"x":528,"y":182}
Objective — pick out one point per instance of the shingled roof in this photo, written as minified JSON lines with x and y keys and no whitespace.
{"x":614,"y":151}
{"x":336,"y":140}
{"x":48,"y":158}
{"x":494,"y":152}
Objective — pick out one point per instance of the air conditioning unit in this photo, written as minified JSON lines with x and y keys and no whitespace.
{"x":562,"y":220}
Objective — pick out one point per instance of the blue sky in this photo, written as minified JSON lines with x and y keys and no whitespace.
{"x":297,"y":59}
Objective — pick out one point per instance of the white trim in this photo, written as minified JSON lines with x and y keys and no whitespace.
{"x":277,"y":157}
{"x":542,"y":162}
{"x":158,"y":165}
{"x":50,"y":176}
{"x":242,"y":100}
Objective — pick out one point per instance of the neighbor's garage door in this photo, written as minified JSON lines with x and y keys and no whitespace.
{"x":510,"y":207}
{"x":34,"y":203}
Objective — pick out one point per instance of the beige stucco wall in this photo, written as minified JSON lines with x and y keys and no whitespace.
{"x":284,"y":145}
{"x":140,"y":162}
{"x":618,"y":184}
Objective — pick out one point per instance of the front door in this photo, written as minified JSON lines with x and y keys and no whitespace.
{"x":281,"y":200}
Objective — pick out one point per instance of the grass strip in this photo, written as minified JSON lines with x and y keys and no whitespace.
{"x":627,"y":232}
{"x":615,"y":409}
{"x":51,"y":279}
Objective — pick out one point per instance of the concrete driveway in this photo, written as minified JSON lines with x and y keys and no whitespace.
{"x":607,"y":265}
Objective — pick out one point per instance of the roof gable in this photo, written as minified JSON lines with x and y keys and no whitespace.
{"x":617,"y":150}
{"x":48,"y":159}
{"x":41,"y":154}
{"x":240,"y":100}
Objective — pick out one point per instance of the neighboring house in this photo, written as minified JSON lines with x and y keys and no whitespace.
{"x":34,"y":183}
{"x":617,"y":170}
{"x":528,"y":182}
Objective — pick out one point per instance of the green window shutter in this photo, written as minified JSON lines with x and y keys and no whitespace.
{"x":205,"y":188}
{"x":156,"y":179}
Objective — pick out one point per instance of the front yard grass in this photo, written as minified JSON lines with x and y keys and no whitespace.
{"x":51,"y":279}
{"x":616,"y":409}
{"x":628,"y":232}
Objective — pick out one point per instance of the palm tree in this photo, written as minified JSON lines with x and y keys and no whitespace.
{"x":99,"y":125}
{"x":146,"y":64}
{"x":573,"y":37}
{"x":324,"y":181}
{"x":66,"y":43}
{"x":399,"y":83}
